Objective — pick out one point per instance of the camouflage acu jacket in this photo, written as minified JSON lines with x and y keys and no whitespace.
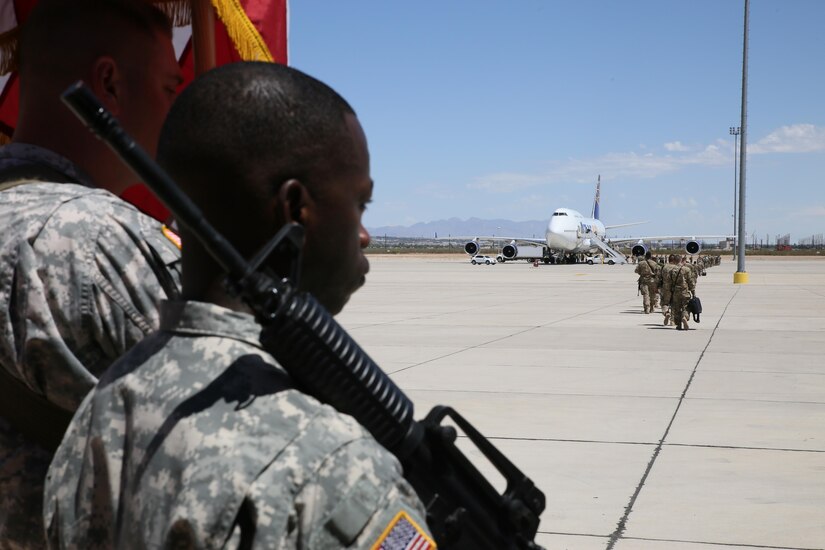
{"x":196,"y":439}
{"x":678,"y":280}
{"x":647,"y":271}
{"x":81,"y":277}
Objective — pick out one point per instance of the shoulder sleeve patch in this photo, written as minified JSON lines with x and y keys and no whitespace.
{"x":171,"y":235}
{"x":351,"y":515}
{"x":403,"y":533}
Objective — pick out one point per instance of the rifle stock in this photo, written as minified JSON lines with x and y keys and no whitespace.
{"x":463,"y":509}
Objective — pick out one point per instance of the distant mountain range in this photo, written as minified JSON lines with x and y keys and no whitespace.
{"x":467,"y":228}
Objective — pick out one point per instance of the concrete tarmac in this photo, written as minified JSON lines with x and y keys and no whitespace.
{"x":641,"y":436}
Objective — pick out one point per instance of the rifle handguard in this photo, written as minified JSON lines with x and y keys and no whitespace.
{"x":322,"y":358}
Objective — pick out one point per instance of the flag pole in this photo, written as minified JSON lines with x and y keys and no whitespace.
{"x":203,"y":35}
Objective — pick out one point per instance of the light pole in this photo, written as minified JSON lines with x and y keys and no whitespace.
{"x":734,"y":131}
{"x":741,"y":276}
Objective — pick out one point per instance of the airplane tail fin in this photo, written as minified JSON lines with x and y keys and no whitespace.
{"x":595,"y":213}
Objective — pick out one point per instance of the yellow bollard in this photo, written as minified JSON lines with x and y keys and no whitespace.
{"x":740,"y":278}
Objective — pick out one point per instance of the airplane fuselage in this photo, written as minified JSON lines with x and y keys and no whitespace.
{"x":571,"y":232}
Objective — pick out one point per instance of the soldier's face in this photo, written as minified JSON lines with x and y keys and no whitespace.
{"x":334,"y":263}
{"x":152,"y":77}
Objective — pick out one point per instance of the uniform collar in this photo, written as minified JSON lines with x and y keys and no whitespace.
{"x":34,"y":154}
{"x":205,"y":319}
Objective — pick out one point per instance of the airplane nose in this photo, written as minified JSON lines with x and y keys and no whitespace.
{"x":556,"y":241}
{"x":557,"y":237}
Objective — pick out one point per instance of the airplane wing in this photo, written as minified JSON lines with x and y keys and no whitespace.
{"x":623,"y":240}
{"x":608,"y":227}
{"x":530,"y":240}
{"x":693,"y":243}
{"x":510,"y":246}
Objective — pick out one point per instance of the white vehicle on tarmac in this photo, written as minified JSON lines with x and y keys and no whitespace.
{"x":479,"y":259}
{"x":600,"y":260}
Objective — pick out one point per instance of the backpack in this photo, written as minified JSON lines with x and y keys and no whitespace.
{"x":694,"y":306}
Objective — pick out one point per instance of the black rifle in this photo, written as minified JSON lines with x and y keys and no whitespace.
{"x":463,"y":509}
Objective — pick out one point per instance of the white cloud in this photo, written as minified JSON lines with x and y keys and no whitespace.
{"x":676,"y":146}
{"x":678,"y":202}
{"x":630,"y":165}
{"x":646,"y":164}
{"x":797,"y":138}
{"x":505,"y":182}
{"x":436,"y":191}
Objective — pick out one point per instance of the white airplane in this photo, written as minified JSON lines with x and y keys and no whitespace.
{"x":569,"y":234}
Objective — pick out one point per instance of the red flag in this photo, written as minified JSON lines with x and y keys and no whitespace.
{"x":257,"y":29}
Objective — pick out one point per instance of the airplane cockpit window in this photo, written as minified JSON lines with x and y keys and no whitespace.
{"x":559,"y":213}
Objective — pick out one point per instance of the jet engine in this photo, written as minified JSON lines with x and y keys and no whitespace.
{"x":472,"y":247}
{"x":693,"y":247}
{"x":509,"y":251}
{"x":639,"y":249}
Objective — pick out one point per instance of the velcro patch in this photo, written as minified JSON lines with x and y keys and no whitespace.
{"x":171,"y":235}
{"x":403,"y":534}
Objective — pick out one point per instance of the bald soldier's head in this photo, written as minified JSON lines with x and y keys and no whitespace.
{"x":259,"y":145}
{"x":122,"y":50}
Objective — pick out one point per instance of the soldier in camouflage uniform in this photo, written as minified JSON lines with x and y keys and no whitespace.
{"x":197,"y":438}
{"x":665,"y":289}
{"x":670,"y":262}
{"x":679,"y":287}
{"x":695,"y":269}
{"x":648,"y":272}
{"x":82,"y":272}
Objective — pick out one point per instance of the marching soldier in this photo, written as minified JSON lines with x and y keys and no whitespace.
{"x":679,"y":288}
{"x":694,"y":269}
{"x":648,"y":271}
{"x":664,"y":275}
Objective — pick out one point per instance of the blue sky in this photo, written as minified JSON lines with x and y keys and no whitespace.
{"x":511,"y":109}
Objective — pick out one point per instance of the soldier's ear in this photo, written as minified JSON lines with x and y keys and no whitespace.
{"x":106,"y":82}
{"x":294,"y":202}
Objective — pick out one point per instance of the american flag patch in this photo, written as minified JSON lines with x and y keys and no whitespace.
{"x":403,"y":534}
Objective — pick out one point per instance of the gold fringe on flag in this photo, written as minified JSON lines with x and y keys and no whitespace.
{"x":244,"y":35}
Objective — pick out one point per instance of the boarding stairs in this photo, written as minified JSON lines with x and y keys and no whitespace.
{"x":608,"y":251}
